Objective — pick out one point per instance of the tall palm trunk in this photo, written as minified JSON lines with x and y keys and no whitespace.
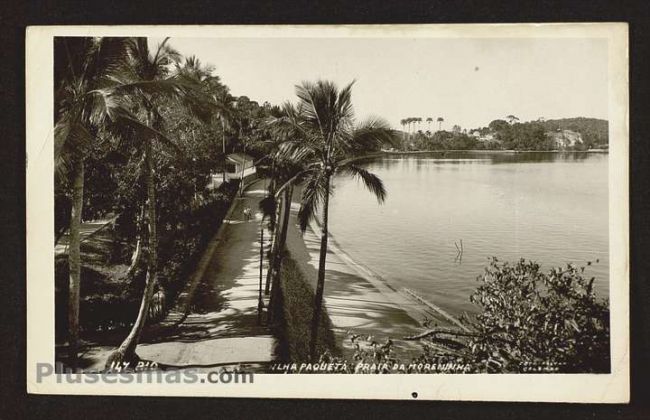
{"x":243,"y":162}
{"x":274,"y":245}
{"x":137,"y":252}
{"x":278,"y":251}
{"x":74,"y":259}
{"x":126,"y":351}
{"x":285,"y":219}
{"x":320,"y":285}
{"x":409,"y":137}
{"x":260,"y":302}
{"x":223,"y":148}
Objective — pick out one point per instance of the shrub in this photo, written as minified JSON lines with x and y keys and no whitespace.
{"x":532,"y":319}
{"x":528,"y":322}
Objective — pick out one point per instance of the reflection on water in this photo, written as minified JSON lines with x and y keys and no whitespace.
{"x":548,"y":207}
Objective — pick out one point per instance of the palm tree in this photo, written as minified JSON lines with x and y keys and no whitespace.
{"x":286,"y":170}
{"x":227,"y":102}
{"x":409,"y":123}
{"x":429,"y":120}
{"x":404,"y":122}
{"x":202,"y":75}
{"x":192,"y":70}
{"x":268,"y":207}
{"x":512,"y":119}
{"x":146,"y":81}
{"x":81,"y":64}
{"x":332,"y":143}
{"x":440,"y":120}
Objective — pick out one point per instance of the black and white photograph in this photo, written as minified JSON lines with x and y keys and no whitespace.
{"x":298,"y":211}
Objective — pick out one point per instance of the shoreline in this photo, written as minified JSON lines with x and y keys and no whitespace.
{"x":402,"y":297}
{"x":357,"y":300}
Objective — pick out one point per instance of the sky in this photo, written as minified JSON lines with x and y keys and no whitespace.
{"x":468,"y":82}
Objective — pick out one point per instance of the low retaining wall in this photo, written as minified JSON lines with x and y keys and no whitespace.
{"x":293,"y":312}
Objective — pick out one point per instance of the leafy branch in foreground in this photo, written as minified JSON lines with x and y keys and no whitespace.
{"x":528,"y":321}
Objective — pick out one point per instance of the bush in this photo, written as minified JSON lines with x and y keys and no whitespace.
{"x":534,"y":319}
{"x":528,"y":322}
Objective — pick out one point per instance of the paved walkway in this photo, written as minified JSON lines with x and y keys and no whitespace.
{"x":221,"y":328}
{"x":87,"y":229}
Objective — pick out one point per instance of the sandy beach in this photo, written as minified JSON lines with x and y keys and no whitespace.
{"x":357,"y":300}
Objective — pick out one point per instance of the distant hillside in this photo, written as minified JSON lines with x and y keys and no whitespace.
{"x":560,"y":134}
{"x":594,"y":131}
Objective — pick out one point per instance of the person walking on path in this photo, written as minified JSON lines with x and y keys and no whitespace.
{"x":247,"y":213}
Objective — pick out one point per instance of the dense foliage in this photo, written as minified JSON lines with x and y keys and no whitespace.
{"x":535,"y":319}
{"x":139,"y":135}
{"x":109,"y":300}
{"x":512,"y":135}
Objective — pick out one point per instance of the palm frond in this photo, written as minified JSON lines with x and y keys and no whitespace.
{"x":370,"y":135}
{"x":71,"y":142}
{"x":106,"y":55}
{"x":316,"y":100}
{"x":295,"y":152}
{"x":371,"y":181}
{"x":344,"y":109}
{"x":313,"y":194}
{"x":166,"y":55}
{"x":112,"y":113}
{"x":178,"y":88}
{"x":327,"y":112}
{"x":127,"y":125}
{"x":289,"y":125}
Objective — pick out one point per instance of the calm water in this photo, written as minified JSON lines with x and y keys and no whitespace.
{"x":547,"y":207}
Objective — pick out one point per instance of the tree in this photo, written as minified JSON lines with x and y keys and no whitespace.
{"x":286,"y":171}
{"x":223,"y":101}
{"x":267,"y":206}
{"x":429,"y":121}
{"x":81,"y":66}
{"x":440,"y":120}
{"x":333,"y":143}
{"x":512,"y":119}
{"x":225,"y":117}
{"x":146,"y":80}
{"x":497,"y":126}
{"x":412,"y":121}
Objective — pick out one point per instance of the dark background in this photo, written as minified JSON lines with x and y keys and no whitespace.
{"x":16,"y":15}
